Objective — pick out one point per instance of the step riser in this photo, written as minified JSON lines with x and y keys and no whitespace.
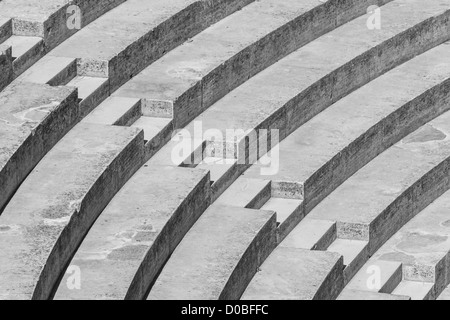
{"x":5,"y":31}
{"x":100,"y":194}
{"x":333,"y":285}
{"x":161,"y":139}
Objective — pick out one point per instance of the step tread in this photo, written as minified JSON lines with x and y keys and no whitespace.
{"x":415,"y":290}
{"x":218,"y":167}
{"x":87,"y":85}
{"x":207,"y":257}
{"x":48,"y":201}
{"x":243,"y":191}
{"x":46,"y":69}
{"x":283,"y":207}
{"x":348,"y":294}
{"x":297,"y":274}
{"x":110,"y":111}
{"x":309,"y":233}
{"x":151,"y":125}
{"x":22,"y":44}
{"x":387,"y":269}
{"x":349,"y":249}
{"x":145,"y":219}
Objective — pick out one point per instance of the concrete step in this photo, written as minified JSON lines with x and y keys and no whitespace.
{"x":25,"y":52}
{"x":297,"y":274}
{"x":151,"y":126}
{"x":116,"y":111}
{"x":288,"y":210}
{"x":143,"y":32}
{"x":340,"y":140}
{"x":377,"y":276}
{"x":311,"y":234}
{"x":51,"y":212}
{"x":219,"y":256}
{"x":33,"y":117}
{"x":298,"y":82}
{"x":355,"y":254}
{"x":246,"y":193}
{"x":54,"y":71}
{"x":218,"y":167}
{"x":422,"y":246}
{"x":195,"y":75}
{"x":357,"y":295}
{"x":415,"y":290}
{"x":91,"y":92}
{"x":378,"y":200}
{"x":132,"y":239}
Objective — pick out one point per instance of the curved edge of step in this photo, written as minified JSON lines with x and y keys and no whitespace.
{"x":45,"y":115}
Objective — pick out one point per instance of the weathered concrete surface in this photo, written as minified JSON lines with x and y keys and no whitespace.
{"x":144,"y":30}
{"x":195,"y":75}
{"x":297,"y":274}
{"x":423,"y":245}
{"x":415,"y":290}
{"x":378,"y":200}
{"x":33,"y":118}
{"x":298,"y":87}
{"x":55,"y":71}
{"x":332,"y":146}
{"x":311,"y":234}
{"x":25,"y":52}
{"x":6,"y":68}
{"x":445,"y":295}
{"x":48,"y":19}
{"x":370,"y":296}
{"x":53,"y":209}
{"x":355,"y":253}
{"x":137,"y":232}
{"x":219,"y":256}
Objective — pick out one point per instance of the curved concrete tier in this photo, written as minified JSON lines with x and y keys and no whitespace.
{"x":121,"y":259}
{"x":46,"y":220}
{"x":33,"y":28}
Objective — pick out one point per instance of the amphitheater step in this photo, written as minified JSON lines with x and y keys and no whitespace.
{"x":6,"y":66}
{"x":297,"y":274}
{"x":33,"y":117}
{"x":143,"y":32}
{"x":218,"y":167}
{"x":355,"y":253}
{"x":136,"y":233}
{"x":422,"y":246}
{"x":151,"y":126}
{"x":219,"y":256}
{"x":353,"y":295}
{"x":25,"y":52}
{"x":246,"y":193}
{"x":195,"y":75}
{"x":445,"y":295}
{"x":116,"y":111}
{"x":377,"y":276}
{"x":91,"y":92}
{"x":311,"y":234}
{"x":57,"y":203}
{"x":54,"y":71}
{"x":415,"y":290}
{"x":287,"y":210}
{"x":292,"y":90}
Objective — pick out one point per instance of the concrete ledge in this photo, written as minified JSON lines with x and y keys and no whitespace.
{"x":297,"y":274}
{"x":129,"y":244}
{"x":33,"y":119}
{"x":219,"y":256}
{"x":43,"y":226}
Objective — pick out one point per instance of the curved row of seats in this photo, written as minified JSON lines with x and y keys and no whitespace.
{"x":110,"y":199}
